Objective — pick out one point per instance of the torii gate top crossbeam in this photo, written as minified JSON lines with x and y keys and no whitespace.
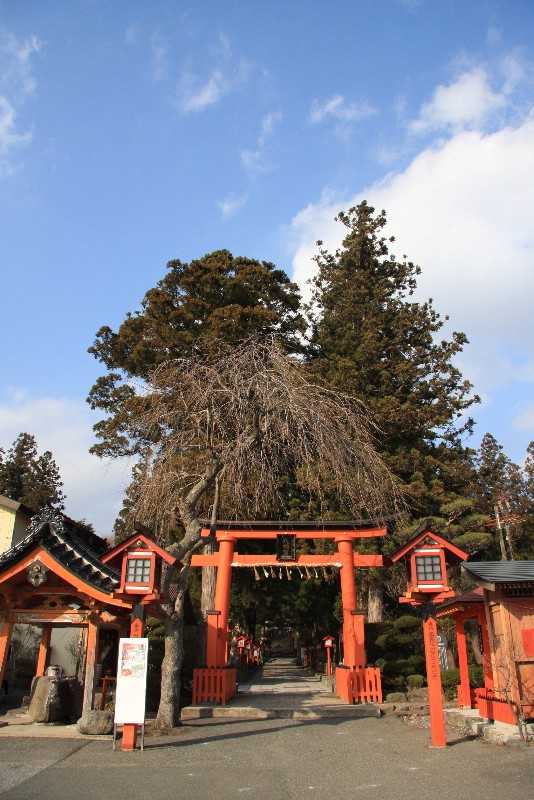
{"x":319,"y":529}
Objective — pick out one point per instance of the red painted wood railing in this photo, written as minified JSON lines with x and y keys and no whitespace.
{"x":214,"y":685}
{"x":359,"y":684}
{"x":367,"y":685}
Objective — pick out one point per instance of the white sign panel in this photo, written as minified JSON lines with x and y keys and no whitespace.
{"x":130,"y":697}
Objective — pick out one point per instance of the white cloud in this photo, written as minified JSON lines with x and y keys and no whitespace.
{"x":468,"y":102}
{"x":255,"y":160}
{"x":228,"y":73}
{"x":231,"y":204}
{"x":205,"y":95}
{"x":9,"y":136}
{"x":463,"y":210}
{"x":336,"y":108}
{"x":17,"y":82}
{"x":94,"y":487}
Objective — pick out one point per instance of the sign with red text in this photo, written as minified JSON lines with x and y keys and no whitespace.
{"x":130,"y":699}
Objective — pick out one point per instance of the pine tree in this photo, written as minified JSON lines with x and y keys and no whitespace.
{"x":373,"y":339}
{"x":29,"y":478}
{"x":216,"y":298}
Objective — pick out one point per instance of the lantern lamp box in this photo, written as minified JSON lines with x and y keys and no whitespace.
{"x":130,"y":700}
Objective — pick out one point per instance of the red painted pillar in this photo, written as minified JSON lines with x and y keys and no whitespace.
{"x":464,"y":689}
{"x":6,"y":629}
{"x":222,"y":596}
{"x":212,"y":636}
{"x":44,"y":647}
{"x":137,"y":627}
{"x":433,"y":677}
{"x":353,"y":630}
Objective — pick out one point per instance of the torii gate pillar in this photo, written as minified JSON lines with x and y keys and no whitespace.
{"x":353,"y":622}
{"x":217,"y":638}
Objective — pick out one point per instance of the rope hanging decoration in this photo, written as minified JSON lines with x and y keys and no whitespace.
{"x":257,"y":575}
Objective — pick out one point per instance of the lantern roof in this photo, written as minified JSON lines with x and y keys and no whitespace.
{"x":138,"y":540}
{"x":427,"y":535}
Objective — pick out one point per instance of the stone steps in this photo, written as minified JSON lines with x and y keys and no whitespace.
{"x":256,"y":712}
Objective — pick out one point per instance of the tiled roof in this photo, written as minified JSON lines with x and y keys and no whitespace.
{"x":500,"y":571}
{"x":52,"y":531}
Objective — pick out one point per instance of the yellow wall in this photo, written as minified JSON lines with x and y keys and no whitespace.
{"x":7,"y":525}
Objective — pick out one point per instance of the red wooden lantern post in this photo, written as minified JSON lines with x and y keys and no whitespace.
{"x":427,"y":587}
{"x":328,"y":643}
{"x":141,"y":562}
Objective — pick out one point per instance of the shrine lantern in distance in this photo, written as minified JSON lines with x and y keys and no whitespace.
{"x":428,"y":556}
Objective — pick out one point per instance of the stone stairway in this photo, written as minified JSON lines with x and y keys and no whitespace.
{"x":284,"y":690}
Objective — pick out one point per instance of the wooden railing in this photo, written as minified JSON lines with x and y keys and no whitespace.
{"x":214,"y":685}
{"x":359,"y":684}
{"x":367,"y":685}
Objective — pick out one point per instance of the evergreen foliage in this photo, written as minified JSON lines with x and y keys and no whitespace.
{"x":218,"y":298}
{"x":30,"y":478}
{"x":373,"y":339}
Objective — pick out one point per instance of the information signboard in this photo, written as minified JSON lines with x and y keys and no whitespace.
{"x":130,"y":699}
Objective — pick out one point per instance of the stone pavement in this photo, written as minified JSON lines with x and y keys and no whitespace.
{"x":278,"y":759}
{"x":283,"y":690}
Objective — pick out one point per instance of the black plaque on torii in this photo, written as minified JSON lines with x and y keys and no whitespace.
{"x":286,"y":547}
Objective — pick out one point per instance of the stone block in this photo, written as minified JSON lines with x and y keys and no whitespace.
{"x":396,"y":697}
{"x":96,"y":723}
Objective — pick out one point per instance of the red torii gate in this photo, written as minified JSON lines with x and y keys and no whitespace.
{"x":217,"y":681}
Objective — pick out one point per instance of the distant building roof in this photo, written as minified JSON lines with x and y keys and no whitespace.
{"x":500,"y":572}
{"x":61,"y":539}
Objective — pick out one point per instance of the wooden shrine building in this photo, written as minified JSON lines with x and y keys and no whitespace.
{"x":503,"y":606}
{"x":53,"y":578}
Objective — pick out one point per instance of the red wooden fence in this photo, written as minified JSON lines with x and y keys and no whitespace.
{"x":359,"y":685}
{"x":214,"y":685}
{"x":367,"y":685}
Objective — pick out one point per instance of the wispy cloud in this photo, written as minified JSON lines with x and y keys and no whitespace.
{"x":197,"y":93}
{"x":17,"y":83}
{"x":160,"y":52}
{"x":231,"y":204}
{"x":468,"y":102}
{"x":337,"y":108}
{"x":255,"y":160}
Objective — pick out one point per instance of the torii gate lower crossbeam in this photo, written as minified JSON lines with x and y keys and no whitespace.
{"x":344,"y":558}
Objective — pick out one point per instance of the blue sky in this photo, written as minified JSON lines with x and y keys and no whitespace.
{"x":132,"y":133}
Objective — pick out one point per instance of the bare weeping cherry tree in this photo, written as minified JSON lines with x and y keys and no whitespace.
{"x":232,"y":426}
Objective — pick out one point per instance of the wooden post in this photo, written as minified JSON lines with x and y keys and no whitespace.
{"x":222,"y":596}
{"x":137,"y":628}
{"x":6,"y":629}
{"x":212,"y":623}
{"x":358,"y":624}
{"x":90,"y":666}
{"x":44,"y":647}
{"x":464,"y":689}
{"x":486,"y":652}
{"x":433,"y":677}
{"x":348,"y":601}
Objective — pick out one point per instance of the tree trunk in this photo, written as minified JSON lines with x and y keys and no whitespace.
{"x":375,"y":602}
{"x":171,"y":667}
